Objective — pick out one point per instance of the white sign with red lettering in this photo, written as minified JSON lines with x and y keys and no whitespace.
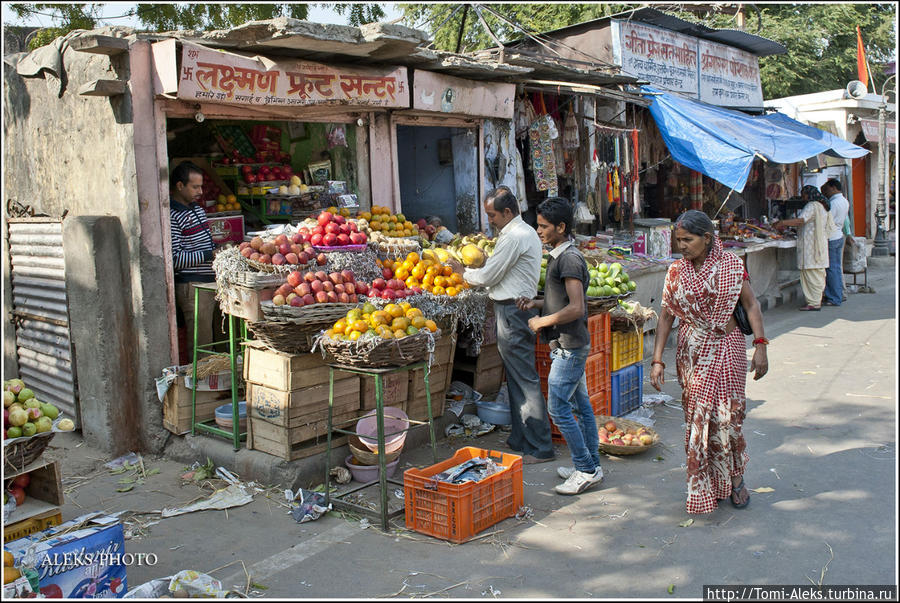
{"x":664,"y":58}
{"x":729,"y":77}
{"x":210,"y":75}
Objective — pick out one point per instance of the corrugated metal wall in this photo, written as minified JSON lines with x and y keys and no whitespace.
{"x":41,"y":313}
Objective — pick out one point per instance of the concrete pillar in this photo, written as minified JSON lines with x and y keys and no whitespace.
{"x":102,"y":331}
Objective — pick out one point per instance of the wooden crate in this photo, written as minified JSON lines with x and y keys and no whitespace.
{"x":286,"y":372}
{"x":281,"y":446}
{"x":489,"y":334}
{"x":177,"y":406}
{"x":43,"y":499}
{"x":395,"y":390}
{"x":289,"y":409}
{"x":489,"y":373}
{"x":438,"y":380}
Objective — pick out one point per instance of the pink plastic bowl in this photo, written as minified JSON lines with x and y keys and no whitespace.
{"x":395,"y":420}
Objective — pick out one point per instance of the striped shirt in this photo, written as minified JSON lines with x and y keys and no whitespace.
{"x":192,"y":243}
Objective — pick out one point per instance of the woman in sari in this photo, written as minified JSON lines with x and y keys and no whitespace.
{"x":815,"y":224}
{"x":701,"y":291}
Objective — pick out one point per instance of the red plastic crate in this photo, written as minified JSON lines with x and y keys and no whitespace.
{"x":456,"y":512}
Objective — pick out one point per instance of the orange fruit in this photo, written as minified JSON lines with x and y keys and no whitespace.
{"x":361,"y":325}
{"x":401,"y":273}
{"x":409,"y":264}
{"x":389,"y":264}
{"x":428,"y":281}
{"x":406,"y":306}
{"x":447,"y":270}
{"x":451,"y":291}
{"x":412,"y":312}
{"x":366,"y":215}
{"x":394,"y":310}
{"x":399,"y":334}
{"x":384,"y":332}
{"x":438,"y":290}
{"x":440,"y":281}
{"x":412,"y":256}
{"x":431,"y":325}
{"x":381,"y":317}
{"x":340,"y":326}
{"x":418,"y":272}
{"x":418,"y":321}
{"x":332,"y":209}
{"x":456,"y":278}
{"x":401,"y":322}
{"x":354,"y":335}
{"x":412,"y":282}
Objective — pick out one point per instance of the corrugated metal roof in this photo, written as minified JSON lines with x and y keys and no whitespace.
{"x":757,"y":45}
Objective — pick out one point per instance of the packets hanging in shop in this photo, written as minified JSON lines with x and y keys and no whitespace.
{"x":320,"y":171}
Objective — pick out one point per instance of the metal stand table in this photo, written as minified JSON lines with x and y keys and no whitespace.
{"x":378,"y":374}
{"x":209,"y":426}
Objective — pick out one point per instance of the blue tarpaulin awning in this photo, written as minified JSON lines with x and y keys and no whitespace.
{"x":722,"y":143}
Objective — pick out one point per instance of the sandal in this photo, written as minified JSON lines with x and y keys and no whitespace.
{"x":738,"y":488}
{"x":808,"y":308}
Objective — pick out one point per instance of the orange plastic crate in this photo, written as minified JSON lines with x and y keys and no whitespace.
{"x":596,"y":370}
{"x":598,"y":327}
{"x":627,"y":348}
{"x":456,"y":512}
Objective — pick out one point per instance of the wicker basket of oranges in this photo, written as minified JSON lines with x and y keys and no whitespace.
{"x":368,"y":337}
{"x":425,"y":272}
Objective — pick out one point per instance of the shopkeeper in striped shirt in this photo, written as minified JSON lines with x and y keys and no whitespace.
{"x":192,"y":251}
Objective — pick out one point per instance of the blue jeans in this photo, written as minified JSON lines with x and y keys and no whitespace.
{"x":834,"y":277}
{"x":567,"y":396}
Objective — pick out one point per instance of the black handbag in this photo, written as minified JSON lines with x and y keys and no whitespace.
{"x":742,"y":320}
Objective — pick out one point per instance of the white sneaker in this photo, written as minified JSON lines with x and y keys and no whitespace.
{"x":565,"y":472}
{"x":579,"y":481}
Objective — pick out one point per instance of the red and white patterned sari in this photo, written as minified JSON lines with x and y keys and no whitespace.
{"x":712,"y":371}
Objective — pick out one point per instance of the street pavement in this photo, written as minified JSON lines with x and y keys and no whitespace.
{"x":821,"y":430}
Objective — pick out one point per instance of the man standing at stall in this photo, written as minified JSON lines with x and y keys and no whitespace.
{"x":512,"y":272}
{"x":834,"y":275}
{"x":192,"y":250}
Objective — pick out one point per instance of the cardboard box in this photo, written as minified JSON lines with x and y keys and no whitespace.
{"x":242,"y":302}
{"x":226,"y":229}
{"x":85,"y":563}
{"x":212,"y":391}
{"x":286,"y":372}
{"x":43,"y":498}
{"x":293,"y":408}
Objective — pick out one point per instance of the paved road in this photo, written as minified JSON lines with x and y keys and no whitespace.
{"x":821,"y":429}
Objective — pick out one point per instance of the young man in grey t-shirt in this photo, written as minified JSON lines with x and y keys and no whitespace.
{"x":563,"y":320}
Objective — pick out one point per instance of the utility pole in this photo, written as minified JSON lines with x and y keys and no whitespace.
{"x":880,"y":243}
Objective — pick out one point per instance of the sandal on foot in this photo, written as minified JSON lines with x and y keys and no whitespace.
{"x":809,"y":308}
{"x":738,"y":488}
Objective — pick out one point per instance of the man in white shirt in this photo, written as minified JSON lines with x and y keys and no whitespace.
{"x":512,"y":272}
{"x":834,"y":275}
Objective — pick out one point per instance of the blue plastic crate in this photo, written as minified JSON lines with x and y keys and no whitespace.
{"x":626,"y":387}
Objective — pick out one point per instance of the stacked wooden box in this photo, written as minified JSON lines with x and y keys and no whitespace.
{"x":287,"y":402}
{"x":439,"y":377}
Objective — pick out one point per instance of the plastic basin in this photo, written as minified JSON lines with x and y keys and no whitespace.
{"x":494,"y":413}
{"x":395,"y":420}
{"x":224,"y":415}
{"x":369,"y":473}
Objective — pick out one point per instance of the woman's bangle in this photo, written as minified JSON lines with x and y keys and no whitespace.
{"x":659,"y":362}
{"x":760,"y":340}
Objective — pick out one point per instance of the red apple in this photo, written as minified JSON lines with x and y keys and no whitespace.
{"x":265,"y":258}
{"x":316,"y":286}
{"x":281,"y":239}
{"x":339,"y":218}
{"x":340,"y":288}
{"x":278,"y":260}
{"x":361,"y":288}
{"x":284,"y":289}
{"x":324,"y":218}
{"x":327,"y":286}
{"x":292,"y":259}
{"x":18,"y":494}
{"x":317,"y":240}
{"x":302,"y":257}
{"x":332,"y":297}
{"x":336,"y":277}
{"x":347,"y":276}
{"x":388,"y":294}
{"x":322,"y":275}
{"x":345,"y":229}
{"x":343,"y":240}
{"x":284,"y":248}
{"x":302,"y":289}
{"x":309,"y":277}
{"x":322,"y":297}
{"x":430,"y":230}
{"x":330,"y":240}
{"x":296,"y":249}
{"x":255,"y":256}
{"x":421,"y":223}
{"x":318,"y":230}
{"x":247,"y":252}
{"x":354,"y":298}
{"x":344,"y":298}
{"x":297,"y":302}
{"x":417,"y":290}
{"x":387,"y":273}
{"x":244,"y":245}
{"x":321,"y":259}
{"x":297,"y":238}
{"x":308,"y":299}
{"x":22,"y":481}
{"x":354,"y":227}
{"x":357,"y":238}
{"x":295,"y":278}
{"x":379,"y":283}
{"x":333,"y":228}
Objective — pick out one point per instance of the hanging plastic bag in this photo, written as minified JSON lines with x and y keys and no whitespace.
{"x":337,"y":136}
{"x":583,"y":213}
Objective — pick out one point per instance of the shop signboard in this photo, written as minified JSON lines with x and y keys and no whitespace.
{"x":448,"y":94}
{"x":729,"y":76}
{"x":209,"y":75}
{"x":664,"y":58}
{"x":226,"y":229}
{"x":870,"y":130}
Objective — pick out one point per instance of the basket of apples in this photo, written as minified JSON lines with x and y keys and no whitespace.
{"x":334,"y":232}
{"x":312,"y":298}
{"x":282,"y":254}
{"x":622,"y":437}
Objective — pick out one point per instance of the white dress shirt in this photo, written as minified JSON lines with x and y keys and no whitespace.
{"x":515,"y":268}
{"x":840,"y":207}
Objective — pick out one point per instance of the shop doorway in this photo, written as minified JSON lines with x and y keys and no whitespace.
{"x":438,"y":175}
